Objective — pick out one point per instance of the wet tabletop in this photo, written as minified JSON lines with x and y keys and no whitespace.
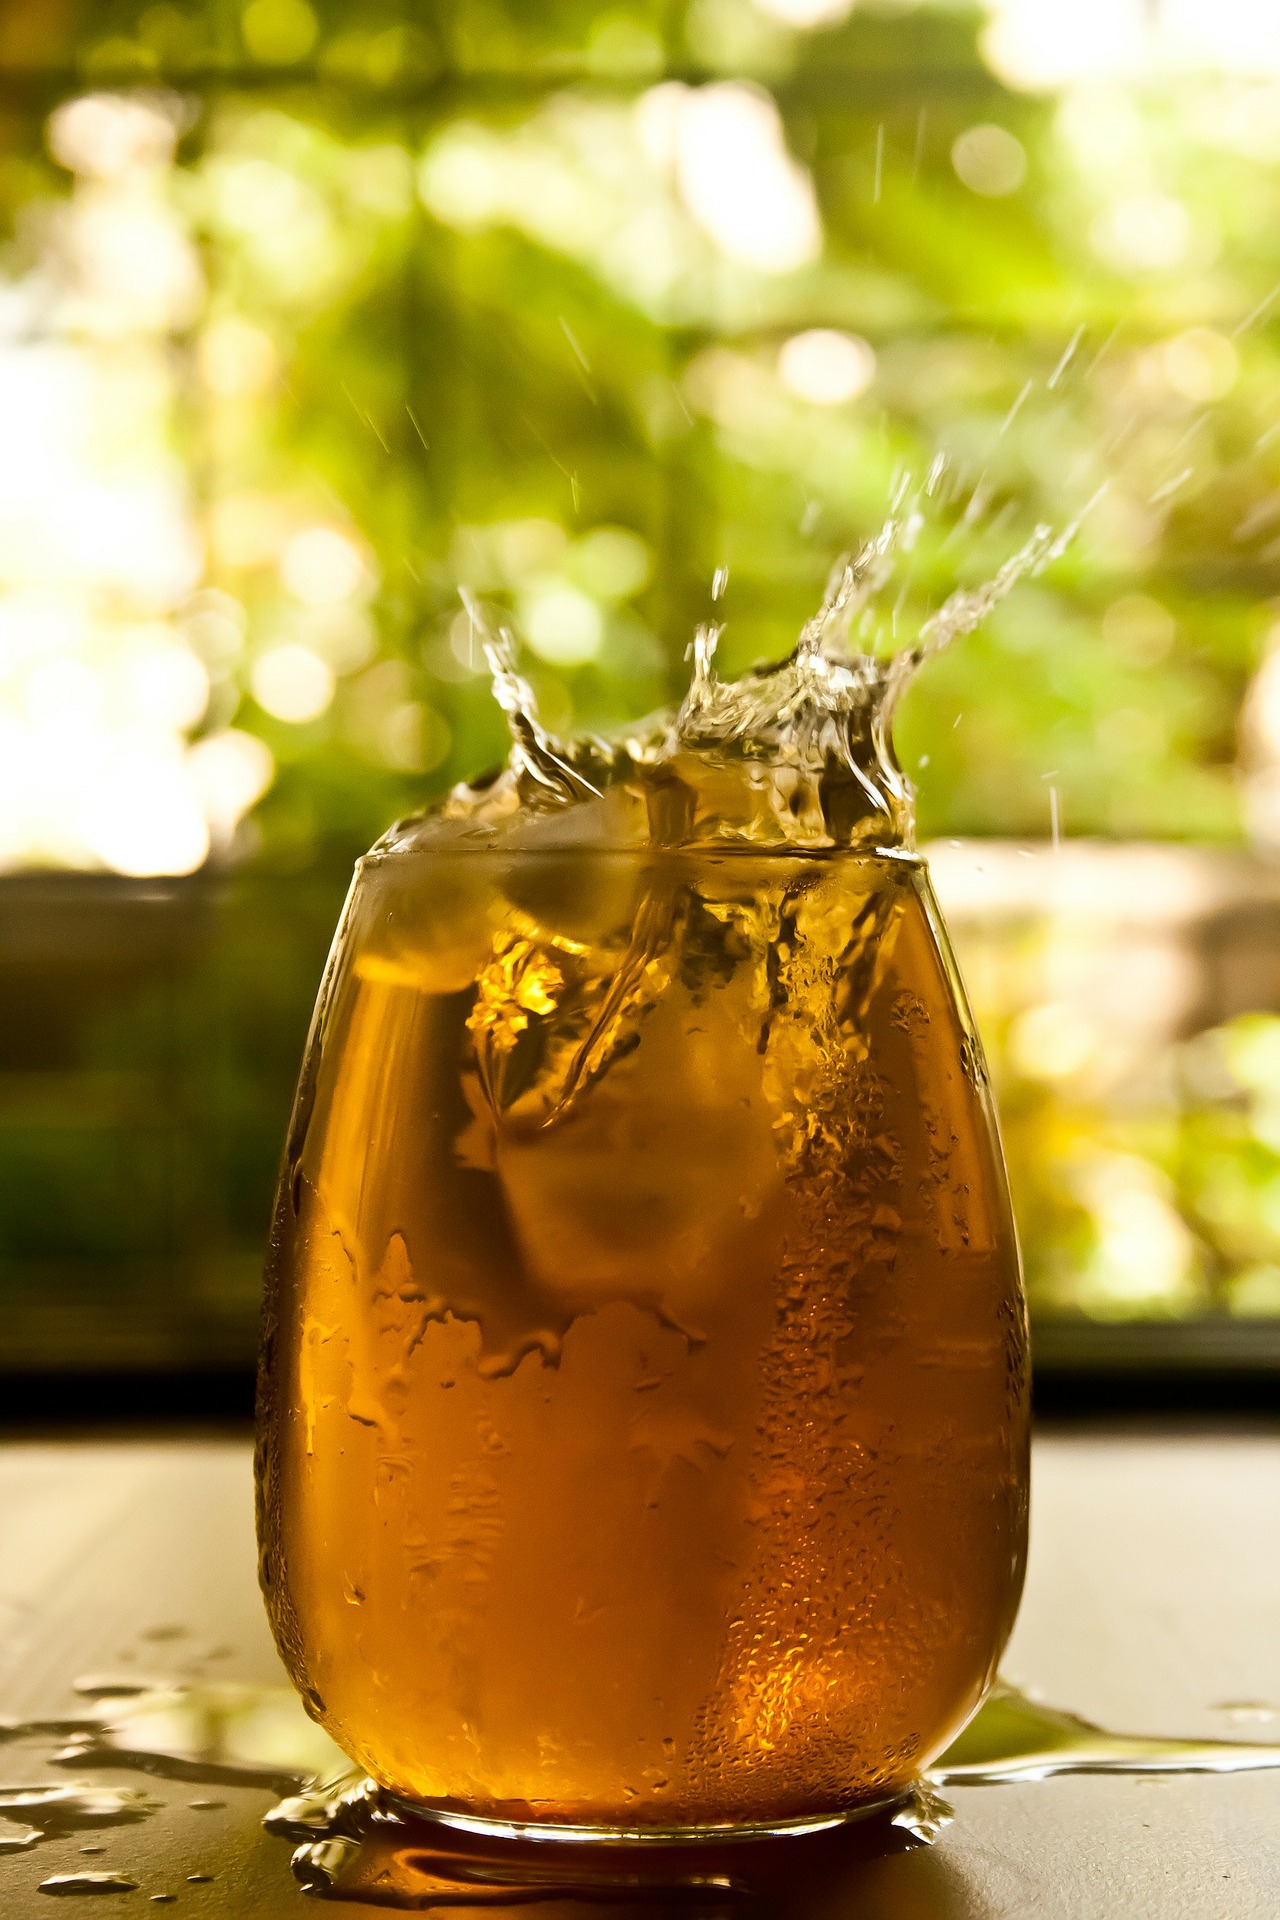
{"x":1153,"y":1606}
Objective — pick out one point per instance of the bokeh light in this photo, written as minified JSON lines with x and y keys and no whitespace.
{"x":806,"y":13}
{"x":739,"y":181}
{"x":990,"y":160}
{"x":562,"y":624}
{"x":826,"y":367}
{"x":293,"y":683}
{"x":320,"y":565}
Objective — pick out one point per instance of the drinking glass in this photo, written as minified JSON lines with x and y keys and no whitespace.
{"x":643,"y":1404}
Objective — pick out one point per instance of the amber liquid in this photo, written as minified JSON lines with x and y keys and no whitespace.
{"x":644,"y":1409}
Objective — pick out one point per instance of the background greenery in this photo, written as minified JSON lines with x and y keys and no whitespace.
{"x":455,"y":299}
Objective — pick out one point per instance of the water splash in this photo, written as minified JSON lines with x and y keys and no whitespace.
{"x":797,"y":755}
{"x":793,"y":757}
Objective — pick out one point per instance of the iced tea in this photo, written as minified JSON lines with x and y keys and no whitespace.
{"x":644,"y":1406}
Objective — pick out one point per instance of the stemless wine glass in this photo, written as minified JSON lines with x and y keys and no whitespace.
{"x":643,"y":1417}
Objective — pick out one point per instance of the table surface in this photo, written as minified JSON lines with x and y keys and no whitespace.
{"x":1153,"y":1600}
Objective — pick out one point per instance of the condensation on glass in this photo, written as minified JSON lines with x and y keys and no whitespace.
{"x":645,"y":1400}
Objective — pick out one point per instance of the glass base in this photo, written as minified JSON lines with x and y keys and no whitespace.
{"x":647,"y":1836}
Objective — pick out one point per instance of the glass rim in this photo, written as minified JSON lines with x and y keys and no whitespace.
{"x":715,"y":850}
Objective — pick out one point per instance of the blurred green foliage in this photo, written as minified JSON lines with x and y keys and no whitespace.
{"x":481,"y":302}
{"x":1163,"y":1206}
{"x":468,"y":300}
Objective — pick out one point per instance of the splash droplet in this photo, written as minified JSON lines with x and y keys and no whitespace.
{"x":796,"y":755}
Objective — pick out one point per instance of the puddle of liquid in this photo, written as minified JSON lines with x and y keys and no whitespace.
{"x":119,"y":1686}
{"x":353,"y":1842}
{"x":48,"y":1810}
{"x":215,"y":1735}
{"x":375,"y":1850}
{"x":88,"y":1883}
{"x":1014,"y":1738}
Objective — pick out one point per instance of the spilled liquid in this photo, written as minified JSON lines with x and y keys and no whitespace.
{"x":88,"y":1883}
{"x":1014,"y":1738}
{"x":45,"y":1812}
{"x":352,"y":1841}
